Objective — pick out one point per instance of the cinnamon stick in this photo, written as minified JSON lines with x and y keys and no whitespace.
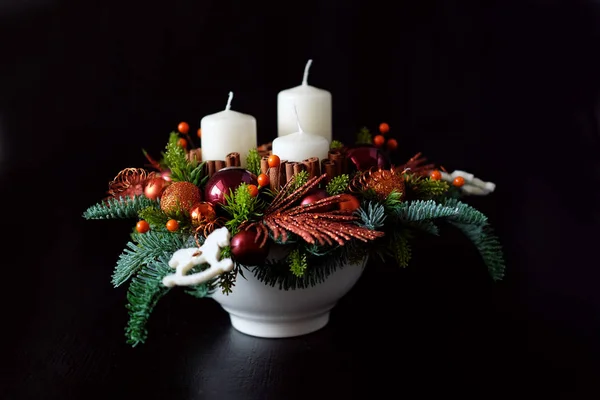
{"x":313,"y":167}
{"x":282,"y":173}
{"x":274,"y":178}
{"x":289,"y":170}
{"x":232,"y":160}
{"x":219,"y":165}
{"x":210,"y":165}
{"x":339,"y":159}
{"x":329,"y":168}
{"x":298,"y":167}
{"x":264,"y":164}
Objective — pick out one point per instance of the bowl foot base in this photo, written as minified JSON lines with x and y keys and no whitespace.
{"x":279,"y":329}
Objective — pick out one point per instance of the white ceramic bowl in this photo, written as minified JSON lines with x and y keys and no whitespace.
{"x":261,"y":310}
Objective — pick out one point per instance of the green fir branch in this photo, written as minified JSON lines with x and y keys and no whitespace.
{"x":154,"y":216}
{"x":487,"y":245}
{"x":338,"y":185}
{"x":119,"y":208}
{"x":277,"y":273}
{"x":241,"y":206}
{"x":297,"y":262}
{"x":145,"y":290}
{"x":299,"y":179}
{"x":466,"y":214}
{"x":372,"y":215}
{"x":145,"y":248}
{"x":182,"y":169}
{"x":420,"y":210}
{"x":400,"y":247}
{"x":253,"y":162}
{"x":336,"y":144}
{"x":426,"y":226}
{"x":426,"y":188}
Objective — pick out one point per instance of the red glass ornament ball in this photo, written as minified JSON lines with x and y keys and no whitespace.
{"x":226,"y":180}
{"x":154,"y":188}
{"x":246,"y":251}
{"x":363,"y":158}
{"x":315,"y":196}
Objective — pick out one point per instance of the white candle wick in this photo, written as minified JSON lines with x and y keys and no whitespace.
{"x":305,"y":79}
{"x":298,"y":119}
{"x":228,"y":106}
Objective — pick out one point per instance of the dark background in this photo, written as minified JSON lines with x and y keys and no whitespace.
{"x":507,"y":90}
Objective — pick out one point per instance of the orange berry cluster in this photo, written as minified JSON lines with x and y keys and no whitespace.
{"x":142,"y":226}
{"x":437,"y":175}
{"x":184,"y":129}
{"x":380,"y":139}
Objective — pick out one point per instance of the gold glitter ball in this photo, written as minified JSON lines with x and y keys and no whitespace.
{"x":180,"y":196}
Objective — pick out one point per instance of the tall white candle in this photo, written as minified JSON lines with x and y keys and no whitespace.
{"x":227,"y":132}
{"x":300,"y":145}
{"x":313,"y":104}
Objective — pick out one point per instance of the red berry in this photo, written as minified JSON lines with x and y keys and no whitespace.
{"x":253,"y":190}
{"x":458,"y":181}
{"x":273,"y":161}
{"x":172,"y":225}
{"x":142,"y":226}
{"x":263,"y":180}
{"x":378,"y":140}
{"x":384,"y":128}
{"x":435,"y":175}
{"x":392,"y":144}
{"x":183,"y":127}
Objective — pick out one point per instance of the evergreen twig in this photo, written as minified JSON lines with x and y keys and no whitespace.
{"x":146,"y":247}
{"x":145,"y":290}
{"x":119,"y":208}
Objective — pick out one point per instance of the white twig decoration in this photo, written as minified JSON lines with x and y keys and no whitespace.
{"x":183,"y":260}
{"x":473,"y":185}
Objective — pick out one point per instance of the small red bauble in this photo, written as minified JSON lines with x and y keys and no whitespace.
{"x":172,"y":225}
{"x":349,"y":203}
{"x":142,"y":226}
{"x":202,"y":212}
{"x":273,"y":161}
{"x":246,"y":251}
{"x":458,"y":181}
{"x":183,"y":127}
{"x":182,"y":143}
{"x":226,"y":180}
{"x":315,"y":196}
{"x":154,"y":188}
{"x":435,"y":175}
{"x":363,"y":158}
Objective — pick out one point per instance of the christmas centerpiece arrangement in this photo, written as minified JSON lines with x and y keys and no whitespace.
{"x":230,"y":218}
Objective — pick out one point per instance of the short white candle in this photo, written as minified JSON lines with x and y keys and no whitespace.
{"x":300,"y":145}
{"x":313,"y":104}
{"x":227,"y":132}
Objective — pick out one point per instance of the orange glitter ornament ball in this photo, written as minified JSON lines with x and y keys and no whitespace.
{"x":179,"y":196}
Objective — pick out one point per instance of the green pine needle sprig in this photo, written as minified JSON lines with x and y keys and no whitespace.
{"x":336,"y":144}
{"x":299,"y":179}
{"x":241,"y":206}
{"x":119,"y":208}
{"x":420,"y":210}
{"x":372,"y":215}
{"x":401,"y":248}
{"x":298,"y":263}
{"x":144,"y":292}
{"x":181,"y":168}
{"x":488,"y":245}
{"x":338,"y":185}
{"x":144,"y":248}
{"x":253,"y":162}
